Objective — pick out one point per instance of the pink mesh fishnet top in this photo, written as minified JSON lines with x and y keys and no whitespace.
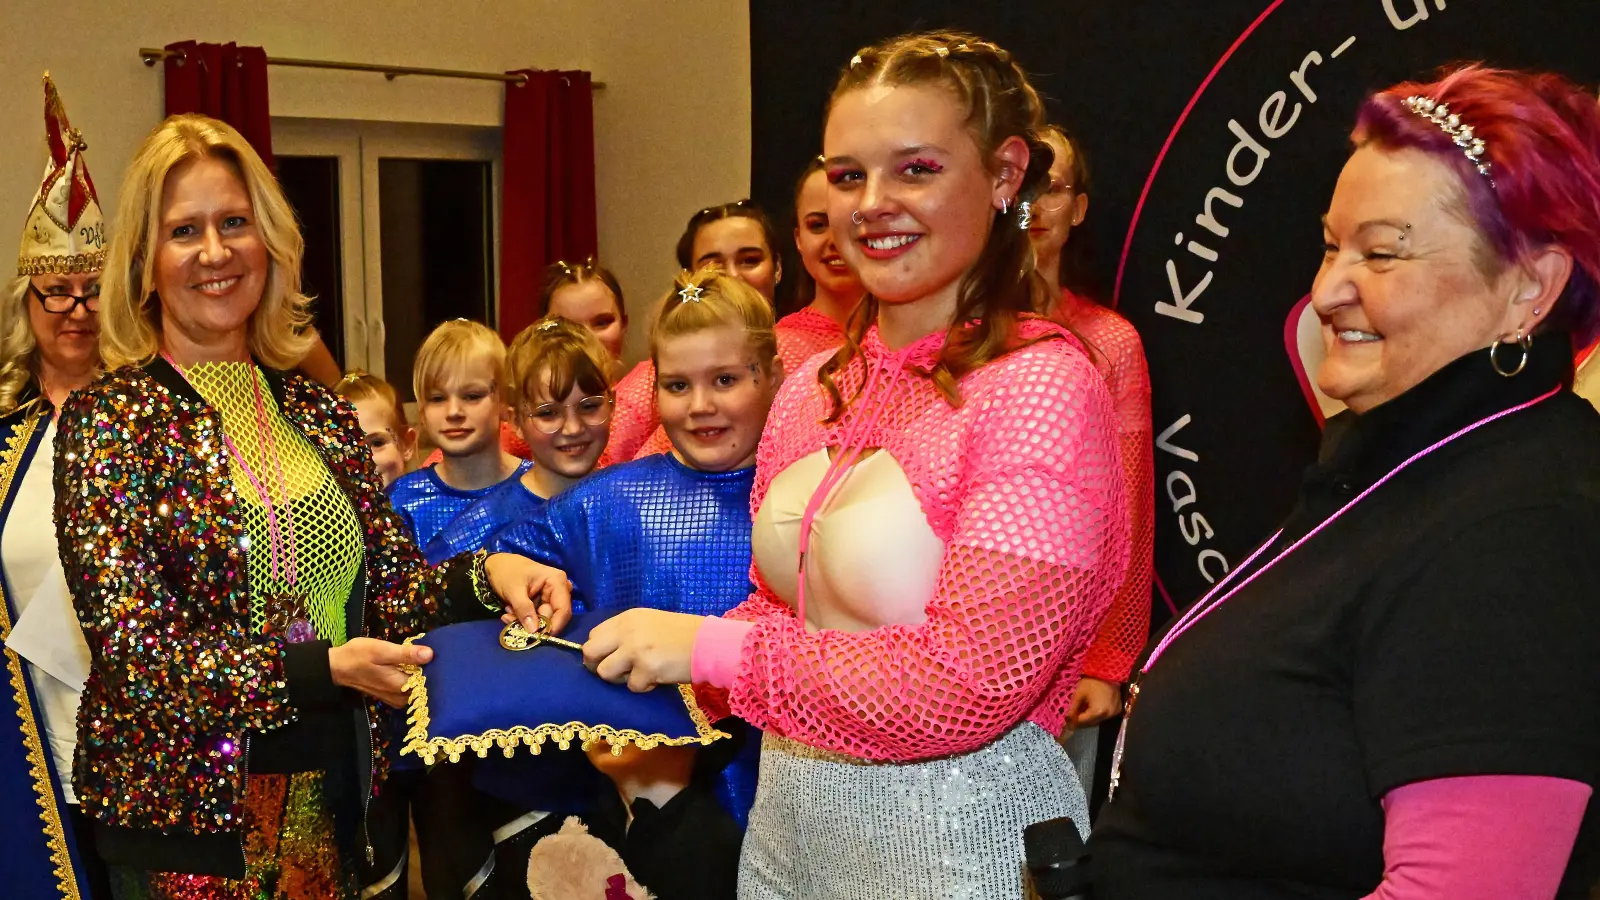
{"x":1022,"y":482}
{"x":635,"y":425}
{"x":1118,"y":353}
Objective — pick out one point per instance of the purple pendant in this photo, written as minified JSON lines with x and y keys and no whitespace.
{"x":299,"y":632}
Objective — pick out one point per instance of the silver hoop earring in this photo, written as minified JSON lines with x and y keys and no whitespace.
{"x":1525,"y":341}
{"x":1005,"y":205}
{"x":855,"y":217}
{"x":1024,"y":215}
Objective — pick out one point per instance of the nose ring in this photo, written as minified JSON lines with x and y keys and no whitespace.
{"x":856,"y":218}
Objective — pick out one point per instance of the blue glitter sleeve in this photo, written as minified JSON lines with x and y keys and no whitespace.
{"x":474,"y":529}
{"x":429,"y":506}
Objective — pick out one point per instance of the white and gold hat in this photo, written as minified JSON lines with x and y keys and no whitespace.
{"x":65,"y":232}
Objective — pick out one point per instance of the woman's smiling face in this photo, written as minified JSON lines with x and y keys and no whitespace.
{"x":912,"y":200}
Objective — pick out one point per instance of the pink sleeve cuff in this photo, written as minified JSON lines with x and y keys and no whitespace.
{"x":1479,"y":837}
{"x":718,"y":649}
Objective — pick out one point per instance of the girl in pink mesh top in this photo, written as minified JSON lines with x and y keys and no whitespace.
{"x":940,"y":516}
{"x":1119,"y":355}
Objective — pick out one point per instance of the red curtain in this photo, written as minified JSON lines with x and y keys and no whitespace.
{"x":547,"y":202}
{"x":223,"y":81}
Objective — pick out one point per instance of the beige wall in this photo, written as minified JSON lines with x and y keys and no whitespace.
{"x":672,"y":128}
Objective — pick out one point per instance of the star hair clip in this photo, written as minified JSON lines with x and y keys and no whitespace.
{"x":1458,"y":132}
{"x":690,"y":293}
{"x":548,"y":324}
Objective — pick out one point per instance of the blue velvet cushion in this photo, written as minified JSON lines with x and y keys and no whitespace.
{"x":477,"y":695}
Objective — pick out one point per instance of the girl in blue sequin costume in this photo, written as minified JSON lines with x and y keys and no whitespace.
{"x":557,"y":389}
{"x":672,"y":531}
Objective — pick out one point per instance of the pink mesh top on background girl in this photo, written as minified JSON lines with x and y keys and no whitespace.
{"x":1022,"y":483}
{"x":1117,"y":352}
{"x":636,"y":426}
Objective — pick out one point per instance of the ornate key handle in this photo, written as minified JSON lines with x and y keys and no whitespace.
{"x":516,"y":637}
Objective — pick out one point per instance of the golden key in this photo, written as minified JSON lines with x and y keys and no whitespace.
{"x":517,"y":637}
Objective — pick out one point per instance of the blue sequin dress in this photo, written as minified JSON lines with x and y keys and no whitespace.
{"x":427,"y":504}
{"x":506,"y":504}
{"x":658,"y":534}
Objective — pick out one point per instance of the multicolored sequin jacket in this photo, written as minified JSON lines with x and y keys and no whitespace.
{"x":155,"y":558}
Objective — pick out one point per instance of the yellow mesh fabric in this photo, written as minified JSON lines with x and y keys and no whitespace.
{"x":310,"y":506}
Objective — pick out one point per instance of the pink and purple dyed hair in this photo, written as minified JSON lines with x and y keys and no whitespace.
{"x":1542,"y":139}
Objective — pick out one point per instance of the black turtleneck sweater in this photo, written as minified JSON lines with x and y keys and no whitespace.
{"x":1447,"y":625}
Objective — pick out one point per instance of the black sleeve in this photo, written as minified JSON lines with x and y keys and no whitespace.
{"x":319,"y":737}
{"x":310,"y":677}
{"x":1486,"y":660}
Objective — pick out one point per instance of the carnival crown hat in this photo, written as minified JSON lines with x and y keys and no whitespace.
{"x":65,"y":232}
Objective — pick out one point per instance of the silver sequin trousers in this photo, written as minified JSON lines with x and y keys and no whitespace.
{"x":828,"y":828}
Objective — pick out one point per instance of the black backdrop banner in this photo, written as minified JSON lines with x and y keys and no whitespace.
{"x":1215,"y":132}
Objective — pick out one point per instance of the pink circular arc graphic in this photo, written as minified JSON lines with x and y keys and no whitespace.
{"x":1138,"y":209}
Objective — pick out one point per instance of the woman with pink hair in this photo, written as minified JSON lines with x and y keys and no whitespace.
{"x":1394,"y":697}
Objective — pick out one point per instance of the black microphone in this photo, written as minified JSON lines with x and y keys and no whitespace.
{"x":1057,"y":860}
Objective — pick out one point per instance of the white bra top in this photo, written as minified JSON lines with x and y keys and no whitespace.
{"x":872,"y":561}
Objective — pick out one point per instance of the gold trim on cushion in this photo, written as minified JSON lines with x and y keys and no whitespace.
{"x":429,"y":748}
{"x":55,"y":831}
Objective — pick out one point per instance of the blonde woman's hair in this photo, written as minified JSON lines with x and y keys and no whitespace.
{"x":357,"y":386}
{"x":130,"y":312}
{"x":550,"y":357}
{"x":708,"y":298}
{"x":453,"y":346}
{"x":19,"y":349}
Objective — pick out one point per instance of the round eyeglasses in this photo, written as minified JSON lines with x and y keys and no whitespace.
{"x":59,"y":302}
{"x":550,"y":418}
{"x":1055,"y":198}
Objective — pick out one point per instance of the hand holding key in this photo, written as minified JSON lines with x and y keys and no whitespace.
{"x":516,"y":637}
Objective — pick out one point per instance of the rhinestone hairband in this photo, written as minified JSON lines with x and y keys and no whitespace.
{"x":1451,"y":124}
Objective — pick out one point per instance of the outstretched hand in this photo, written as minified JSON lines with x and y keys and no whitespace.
{"x":530,"y":591}
{"x":643,"y":648}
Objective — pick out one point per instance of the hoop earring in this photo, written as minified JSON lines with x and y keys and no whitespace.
{"x":1005,"y":205}
{"x":855,"y":216}
{"x":1525,"y":341}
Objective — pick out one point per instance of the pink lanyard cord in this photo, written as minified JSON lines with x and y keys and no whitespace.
{"x":1206,"y":604}
{"x":276,"y":545}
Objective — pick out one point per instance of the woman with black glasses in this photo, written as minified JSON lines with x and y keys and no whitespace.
{"x":50,"y":348}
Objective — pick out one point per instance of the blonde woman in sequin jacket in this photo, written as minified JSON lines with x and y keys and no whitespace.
{"x":239,"y":575}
